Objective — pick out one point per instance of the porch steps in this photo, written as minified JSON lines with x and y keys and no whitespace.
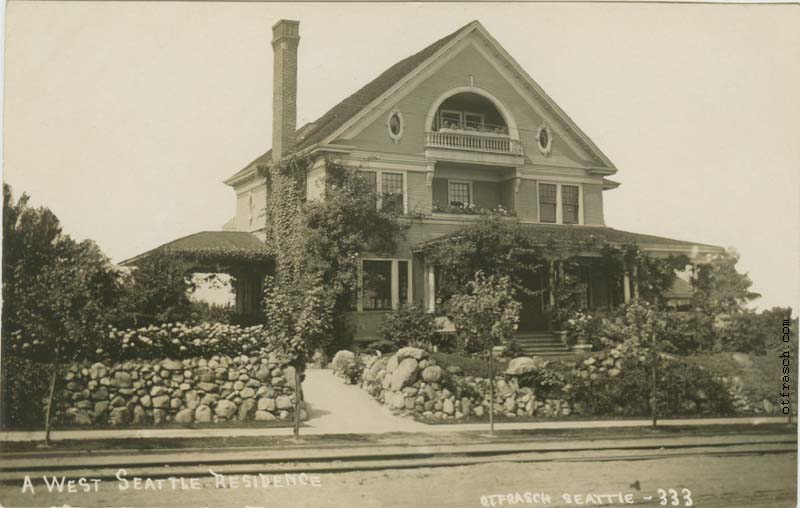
{"x":541,"y":344}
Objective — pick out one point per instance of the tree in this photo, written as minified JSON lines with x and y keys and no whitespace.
{"x":720,"y":293}
{"x":156,"y":291}
{"x":486,"y":316}
{"x":61,"y":292}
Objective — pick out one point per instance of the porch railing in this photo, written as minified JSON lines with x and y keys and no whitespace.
{"x":473,"y":142}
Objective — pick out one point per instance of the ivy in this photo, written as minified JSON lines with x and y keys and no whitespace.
{"x":316,"y":246}
{"x":501,"y":247}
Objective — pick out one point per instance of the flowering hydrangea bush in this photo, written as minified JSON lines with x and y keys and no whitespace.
{"x":179,"y":340}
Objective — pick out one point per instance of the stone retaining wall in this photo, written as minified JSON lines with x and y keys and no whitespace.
{"x":410,"y":383}
{"x":219,"y":389}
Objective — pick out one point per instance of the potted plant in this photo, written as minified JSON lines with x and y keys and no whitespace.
{"x":579,"y":326}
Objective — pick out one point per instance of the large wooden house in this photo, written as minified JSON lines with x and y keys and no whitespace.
{"x":457,"y":129}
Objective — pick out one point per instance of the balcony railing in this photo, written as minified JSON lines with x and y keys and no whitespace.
{"x":473,"y":142}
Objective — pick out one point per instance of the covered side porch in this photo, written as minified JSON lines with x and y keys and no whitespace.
{"x":241,"y":255}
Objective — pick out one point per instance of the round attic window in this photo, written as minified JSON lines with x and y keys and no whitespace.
{"x":545,"y":139}
{"x":395,"y":125}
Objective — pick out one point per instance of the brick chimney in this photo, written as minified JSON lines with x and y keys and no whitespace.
{"x":285,"y":38}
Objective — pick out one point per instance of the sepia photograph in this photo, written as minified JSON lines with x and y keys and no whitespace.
{"x":394,"y":254}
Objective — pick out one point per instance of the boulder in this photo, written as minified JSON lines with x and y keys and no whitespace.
{"x":122,"y":379}
{"x":78,"y":416}
{"x":266,"y":404}
{"x":119,"y":416}
{"x":405,"y":374}
{"x":184,"y":416}
{"x":100,"y":409}
{"x":289,"y":374}
{"x":225,"y":409}
{"x":192,"y":399}
{"x":146,"y":401}
{"x":202,"y":414}
{"x":283,"y":402}
{"x":342,"y":360}
{"x":207,"y":387}
{"x":246,"y":409}
{"x":247,"y":393}
{"x":263,"y":373}
{"x":522,"y":365}
{"x":432,"y":374}
{"x":100,"y":394}
{"x":159,"y":416}
{"x":161,"y":401}
{"x":398,"y":401}
{"x":98,"y":371}
{"x":172,"y":365}
{"x":264,"y":416}
{"x":157,"y":390}
{"x":411,"y":352}
{"x":448,"y":407}
{"x":139,"y":415}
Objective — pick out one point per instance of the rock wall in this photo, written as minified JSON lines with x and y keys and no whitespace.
{"x":410,"y":383}
{"x":219,"y":389}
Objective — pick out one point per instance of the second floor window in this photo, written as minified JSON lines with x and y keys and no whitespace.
{"x":548,"y":197}
{"x":459,"y":193}
{"x":560,"y":203}
{"x":569,"y":204}
{"x":388,"y":188}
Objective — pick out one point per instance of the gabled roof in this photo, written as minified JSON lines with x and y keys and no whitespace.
{"x":231,"y":245}
{"x":328,"y":123}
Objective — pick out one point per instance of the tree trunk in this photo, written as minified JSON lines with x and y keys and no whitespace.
{"x":298,"y":397}
{"x":51,"y":396}
{"x":653,"y":396}
{"x":491,"y":393}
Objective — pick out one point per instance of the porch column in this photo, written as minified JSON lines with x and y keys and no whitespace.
{"x":551,"y":281}
{"x":430,"y":288}
{"x":635,"y":275}
{"x":395,"y":285}
{"x":626,"y":285}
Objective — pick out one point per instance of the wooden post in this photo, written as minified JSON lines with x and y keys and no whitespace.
{"x":491,"y":392}
{"x":626,"y":284}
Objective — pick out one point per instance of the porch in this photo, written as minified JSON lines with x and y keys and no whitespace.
{"x":241,"y":255}
{"x":596,"y":281}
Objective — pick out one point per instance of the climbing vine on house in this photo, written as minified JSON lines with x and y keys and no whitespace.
{"x":500,"y":246}
{"x":316,"y":246}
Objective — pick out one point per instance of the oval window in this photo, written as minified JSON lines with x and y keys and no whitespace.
{"x":544,"y":139}
{"x":395,"y":125}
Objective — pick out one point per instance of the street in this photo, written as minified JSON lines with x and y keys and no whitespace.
{"x":703,"y":480}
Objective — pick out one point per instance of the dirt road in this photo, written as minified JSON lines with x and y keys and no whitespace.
{"x":730,"y":481}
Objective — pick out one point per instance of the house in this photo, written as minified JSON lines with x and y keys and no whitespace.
{"x":449,"y":132}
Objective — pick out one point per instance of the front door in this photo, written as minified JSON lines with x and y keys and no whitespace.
{"x":532,"y":316}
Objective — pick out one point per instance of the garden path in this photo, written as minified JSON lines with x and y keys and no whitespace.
{"x":337,"y":408}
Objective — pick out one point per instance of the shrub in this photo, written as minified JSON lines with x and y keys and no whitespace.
{"x":754,"y":332}
{"x":25,"y":384}
{"x":409,"y":325}
{"x":682,"y":389}
{"x":352,"y":373}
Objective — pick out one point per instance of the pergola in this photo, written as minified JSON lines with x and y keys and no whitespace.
{"x":242,"y":255}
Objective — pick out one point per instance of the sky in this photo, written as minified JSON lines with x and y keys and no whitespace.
{"x":124,"y":118}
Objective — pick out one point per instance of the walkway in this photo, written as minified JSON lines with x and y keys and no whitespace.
{"x":337,"y":408}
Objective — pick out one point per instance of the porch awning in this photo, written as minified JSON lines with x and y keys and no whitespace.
{"x":543,"y":234}
{"x":214,"y":250}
